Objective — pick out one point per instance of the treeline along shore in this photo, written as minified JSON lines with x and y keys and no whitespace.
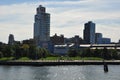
{"x":57,"y":63}
{"x":29,"y":54}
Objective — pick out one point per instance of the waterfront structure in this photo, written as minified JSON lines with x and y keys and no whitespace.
{"x":89,"y":33}
{"x":42,"y":27}
{"x":11,"y":40}
{"x":57,"y":40}
{"x":61,"y":49}
{"x":98,"y":38}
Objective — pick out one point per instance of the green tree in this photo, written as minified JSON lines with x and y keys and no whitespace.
{"x":106,"y":54}
{"x":8,"y":51}
{"x":88,"y":52}
{"x":114,"y":54}
{"x":97,"y":53}
{"x":72,"y":53}
{"x":18,"y":51}
{"x":32,"y":52}
{"x":1,"y":54}
{"x":25,"y":50}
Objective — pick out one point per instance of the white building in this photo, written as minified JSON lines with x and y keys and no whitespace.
{"x":62,"y":49}
{"x":42,"y":26}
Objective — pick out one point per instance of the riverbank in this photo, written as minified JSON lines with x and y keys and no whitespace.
{"x":58,"y":62}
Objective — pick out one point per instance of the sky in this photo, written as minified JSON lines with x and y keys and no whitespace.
{"x":67,"y":17}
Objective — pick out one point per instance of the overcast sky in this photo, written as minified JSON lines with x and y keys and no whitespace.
{"x":67,"y":17}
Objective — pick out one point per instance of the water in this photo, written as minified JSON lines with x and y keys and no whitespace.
{"x":86,"y":72}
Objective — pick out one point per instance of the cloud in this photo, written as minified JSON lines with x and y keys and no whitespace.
{"x":67,"y":17}
{"x":18,"y":20}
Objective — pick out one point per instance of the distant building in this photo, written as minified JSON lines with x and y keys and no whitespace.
{"x":76,"y":40}
{"x":1,"y":43}
{"x":42,"y":27}
{"x":106,"y":40}
{"x":57,"y":40}
{"x":98,"y":38}
{"x":17,"y":42}
{"x":119,"y":41}
{"x":61,"y":49}
{"x":11,"y":40}
{"x":28,"y":41}
{"x":89,"y":33}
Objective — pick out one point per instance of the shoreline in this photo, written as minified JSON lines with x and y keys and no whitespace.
{"x":58,"y":63}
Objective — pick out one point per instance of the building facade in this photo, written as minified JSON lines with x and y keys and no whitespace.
{"x":11,"y":40}
{"x":76,"y":40}
{"x":57,"y":40}
{"x":106,"y":40}
{"x":42,"y":26}
{"x":98,"y":38}
{"x":89,"y":33}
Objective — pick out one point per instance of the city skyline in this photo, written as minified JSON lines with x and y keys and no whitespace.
{"x":67,"y":17}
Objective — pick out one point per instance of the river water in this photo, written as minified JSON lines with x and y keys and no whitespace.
{"x":84,"y":72}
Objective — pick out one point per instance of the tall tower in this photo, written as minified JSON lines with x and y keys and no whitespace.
{"x":41,"y":26}
{"x":89,"y":33}
{"x":11,"y":40}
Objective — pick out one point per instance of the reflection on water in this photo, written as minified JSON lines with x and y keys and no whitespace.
{"x":86,"y":72}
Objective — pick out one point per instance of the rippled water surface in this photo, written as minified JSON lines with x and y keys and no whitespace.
{"x":86,"y":72}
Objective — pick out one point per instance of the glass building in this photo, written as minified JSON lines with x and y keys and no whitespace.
{"x":41,"y":25}
{"x":89,"y":33}
{"x":98,"y":38}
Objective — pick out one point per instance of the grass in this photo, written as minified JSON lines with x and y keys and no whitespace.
{"x":6,"y":58}
{"x":52,"y":58}
{"x":71,"y":58}
{"x":92,"y":58}
{"x":24,"y":58}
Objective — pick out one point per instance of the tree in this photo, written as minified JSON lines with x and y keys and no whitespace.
{"x":114,"y":54}
{"x":1,"y":54}
{"x":32,"y":52}
{"x":97,"y":53}
{"x":25,"y":50}
{"x":8,"y":51}
{"x":106,"y":54}
{"x":72,"y":53}
{"x":88,"y":52}
{"x":18,"y":51}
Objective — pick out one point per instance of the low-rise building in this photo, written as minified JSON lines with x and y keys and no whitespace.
{"x":61,"y":49}
{"x":57,"y":40}
{"x":106,"y":40}
{"x":98,"y":38}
